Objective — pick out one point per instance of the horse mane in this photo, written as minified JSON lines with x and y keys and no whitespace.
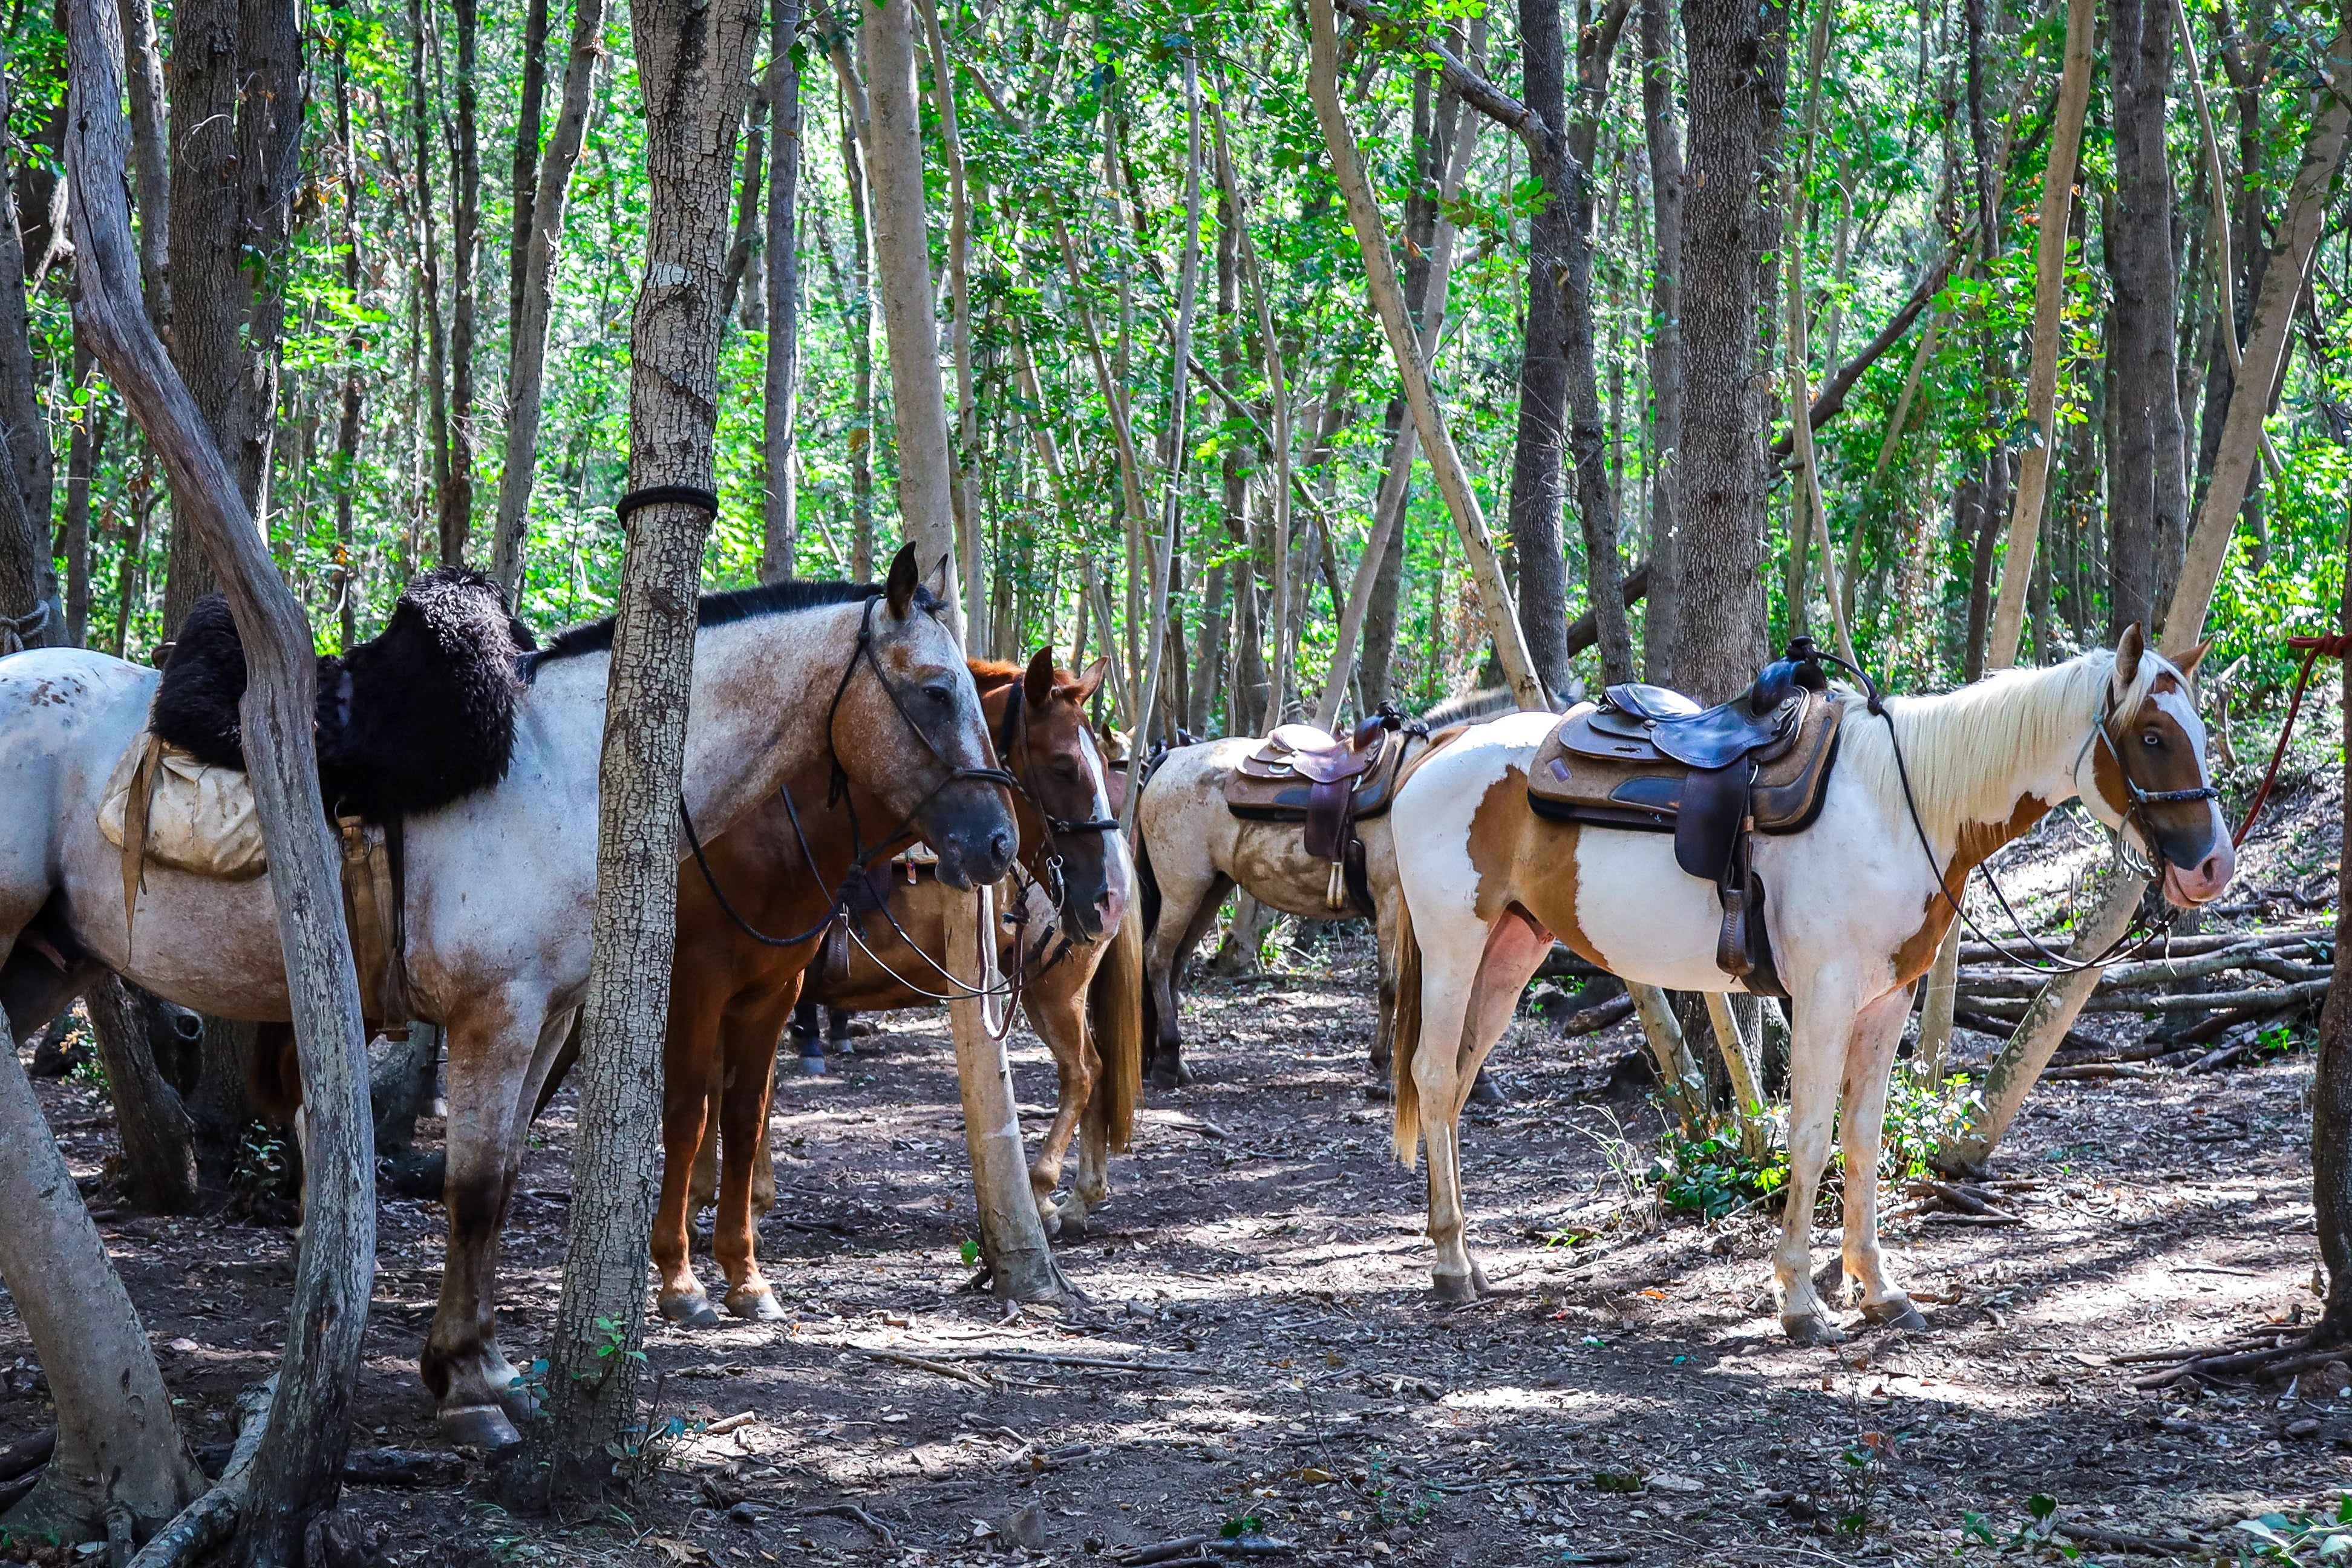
{"x":1473,"y":707}
{"x":1961,"y":747}
{"x":718,"y":610}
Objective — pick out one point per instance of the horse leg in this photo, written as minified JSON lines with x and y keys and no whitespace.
{"x":748,"y":1038}
{"x":702,"y":1188}
{"x":807,"y":1026}
{"x":690,"y":1077}
{"x":1057,"y":1011}
{"x":1823,"y":1019}
{"x":1869,"y":1055}
{"x":471,"y":1382}
{"x":1186,"y":913}
{"x":1466,"y":1004}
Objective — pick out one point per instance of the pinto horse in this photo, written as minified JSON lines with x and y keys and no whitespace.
{"x":1859,"y":905}
{"x":500,"y":885}
{"x":1190,"y":851}
{"x":749,"y":930}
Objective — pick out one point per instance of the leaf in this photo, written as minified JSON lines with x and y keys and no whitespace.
{"x":2042,"y":1505}
{"x":677,"y":1551}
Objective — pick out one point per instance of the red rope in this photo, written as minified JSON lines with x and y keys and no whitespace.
{"x":2314,"y":649}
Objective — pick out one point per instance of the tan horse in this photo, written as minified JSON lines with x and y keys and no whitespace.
{"x":1191,"y":852}
{"x":1855,"y":917}
{"x":731,"y":992}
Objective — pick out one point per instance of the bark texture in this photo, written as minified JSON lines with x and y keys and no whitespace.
{"x":694,"y":67}
{"x":1663,"y":145}
{"x":1540,"y":454}
{"x":780,"y":435}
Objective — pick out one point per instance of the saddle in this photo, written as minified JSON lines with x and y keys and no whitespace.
{"x":1647,"y":760}
{"x":1330,"y":782}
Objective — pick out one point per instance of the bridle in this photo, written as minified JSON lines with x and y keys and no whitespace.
{"x":1012,"y":743}
{"x":837,"y":792}
{"x":2137,"y":801}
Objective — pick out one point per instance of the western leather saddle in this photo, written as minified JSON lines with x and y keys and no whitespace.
{"x":1647,"y":760}
{"x":1330,"y":783}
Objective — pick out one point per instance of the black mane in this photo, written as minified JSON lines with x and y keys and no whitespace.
{"x":718,"y":610}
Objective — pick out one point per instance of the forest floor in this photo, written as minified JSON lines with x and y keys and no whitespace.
{"x":1626,"y":1398}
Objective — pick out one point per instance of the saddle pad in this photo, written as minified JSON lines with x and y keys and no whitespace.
{"x":1712,"y":739}
{"x":1642,"y":791}
{"x":1260,"y":791}
{"x":200,"y":819}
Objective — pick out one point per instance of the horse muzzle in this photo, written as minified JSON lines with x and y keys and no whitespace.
{"x":2187,"y":889}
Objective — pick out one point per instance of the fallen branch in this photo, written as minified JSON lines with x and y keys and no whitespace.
{"x":1593,"y":1020}
{"x":2078,"y":1072}
{"x":1164,"y":1550}
{"x":1039,"y":1358}
{"x":2272,"y":1001}
{"x":850,"y":1510}
{"x":2000,"y":1028}
{"x":2124,"y":1540}
{"x":942,"y":1369}
{"x":27,"y":1454}
{"x":2184,"y":946}
{"x":726,"y":1424}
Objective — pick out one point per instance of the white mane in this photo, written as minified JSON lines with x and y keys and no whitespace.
{"x":1968,"y":751}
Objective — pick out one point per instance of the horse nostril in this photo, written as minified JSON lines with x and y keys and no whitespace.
{"x":1001,"y":846}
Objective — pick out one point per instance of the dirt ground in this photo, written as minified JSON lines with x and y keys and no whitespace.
{"x":1259,"y":1287}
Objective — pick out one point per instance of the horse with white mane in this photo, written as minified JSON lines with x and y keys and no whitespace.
{"x":501,"y":883}
{"x":1856,"y":916}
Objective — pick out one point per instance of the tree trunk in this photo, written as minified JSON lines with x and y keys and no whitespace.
{"x":523,"y":179}
{"x":1596,"y":494}
{"x":117,"y":1442}
{"x":83,"y":452}
{"x":354,"y":387}
{"x":2331,"y":1083}
{"x":535,"y":267}
{"x":28,"y":583}
{"x":693,"y":66}
{"x":963,"y":452}
{"x":428,"y":278}
{"x":1493,"y":595}
{"x":300,"y":1458}
{"x":749,"y":188}
{"x":779,"y":436}
{"x":858,"y":308}
{"x":1665,"y":147}
{"x":150,"y":157}
{"x":159,"y":1141}
{"x":456,"y":499}
{"x":1540,"y":451}
{"x":1720,"y":496}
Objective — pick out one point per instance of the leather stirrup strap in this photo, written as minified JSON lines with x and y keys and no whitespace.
{"x":134,"y":833}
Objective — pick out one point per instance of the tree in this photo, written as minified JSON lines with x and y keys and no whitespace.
{"x":694,"y":68}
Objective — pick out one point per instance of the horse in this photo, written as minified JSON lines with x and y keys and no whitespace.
{"x":501,"y":884}
{"x":804,"y":869}
{"x":1919,"y":795}
{"x":1191,"y":852}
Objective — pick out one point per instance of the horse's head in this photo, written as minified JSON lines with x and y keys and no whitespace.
{"x":2148,"y":772}
{"x":1065,"y":810}
{"x":908,"y":727}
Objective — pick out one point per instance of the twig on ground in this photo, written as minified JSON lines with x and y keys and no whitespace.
{"x":2124,"y":1540}
{"x":941,"y":1368}
{"x":850,"y":1510}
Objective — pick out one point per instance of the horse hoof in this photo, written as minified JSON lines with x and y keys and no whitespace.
{"x":757,"y":1306}
{"x":1163,"y":1079}
{"x":1895,"y":1312}
{"x":477,"y":1426}
{"x":812,"y":1067}
{"x":1377,"y":1092}
{"x":1452,"y":1289}
{"x":1810,"y":1328}
{"x":1070,"y":1223}
{"x":691,"y":1312}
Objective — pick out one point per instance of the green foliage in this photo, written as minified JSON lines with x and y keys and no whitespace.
{"x":2298,"y":1538}
{"x":1919,"y":1120}
{"x":1710,"y":1175}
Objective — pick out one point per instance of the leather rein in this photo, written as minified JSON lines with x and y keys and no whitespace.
{"x":2137,"y":802}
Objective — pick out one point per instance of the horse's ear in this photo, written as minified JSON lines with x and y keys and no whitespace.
{"x":2128,"y":649}
{"x":2187,"y":663}
{"x":937,"y":582}
{"x":1037,"y":682}
{"x":1091,"y":682}
{"x":900,"y":589}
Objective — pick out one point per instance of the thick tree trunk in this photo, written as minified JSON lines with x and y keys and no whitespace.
{"x":523,"y":178}
{"x":1664,"y":148}
{"x":535,"y":266}
{"x":159,"y":1141}
{"x":1719,"y":497}
{"x":1596,"y":493}
{"x":780,"y":433}
{"x":963,"y":452}
{"x":693,"y":66}
{"x":2331,"y":1083}
{"x":300,"y":1458}
{"x":151,"y":156}
{"x":116,"y":1443}
{"x":1540,"y":450}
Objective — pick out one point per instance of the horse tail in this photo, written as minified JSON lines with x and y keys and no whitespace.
{"x":1149,"y":902}
{"x":1117,"y":999}
{"x":1405,"y":1038}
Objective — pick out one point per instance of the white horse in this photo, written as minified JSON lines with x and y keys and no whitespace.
{"x":1854,"y":918}
{"x":500,"y":886}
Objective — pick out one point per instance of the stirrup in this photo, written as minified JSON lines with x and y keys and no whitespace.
{"x":1335,"y":891}
{"x":1731,"y":939}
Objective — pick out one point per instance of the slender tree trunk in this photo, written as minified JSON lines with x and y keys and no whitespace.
{"x":780,"y":435}
{"x":1596,"y":496}
{"x":535,"y":267}
{"x":964,"y":452}
{"x":524,"y":176}
{"x":858,"y":308}
{"x":2151,"y":522}
{"x":693,"y":66}
{"x":1719,"y":499}
{"x":457,"y":499}
{"x":28,"y":584}
{"x":1664,"y":148}
{"x":2331,"y":1085}
{"x":428,"y":281}
{"x":151,"y":156}
{"x":299,"y":1462}
{"x":1540,"y":453}
{"x":82,"y":454}
{"x":354,"y":387}
{"x":159,"y":1141}
{"x":749,"y":188}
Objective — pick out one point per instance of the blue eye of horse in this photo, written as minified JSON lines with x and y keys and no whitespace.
{"x":2151,"y":739}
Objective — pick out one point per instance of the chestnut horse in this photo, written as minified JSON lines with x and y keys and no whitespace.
{"x":732,"y":991}
{"x":500,"y":885}
{"x":1860,"y":901}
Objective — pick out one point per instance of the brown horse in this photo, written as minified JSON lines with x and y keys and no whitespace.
{"x":733,"y":989}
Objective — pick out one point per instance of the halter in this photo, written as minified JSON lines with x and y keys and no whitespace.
{"x":2127,"y":945}
{"x":838,"y":790}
